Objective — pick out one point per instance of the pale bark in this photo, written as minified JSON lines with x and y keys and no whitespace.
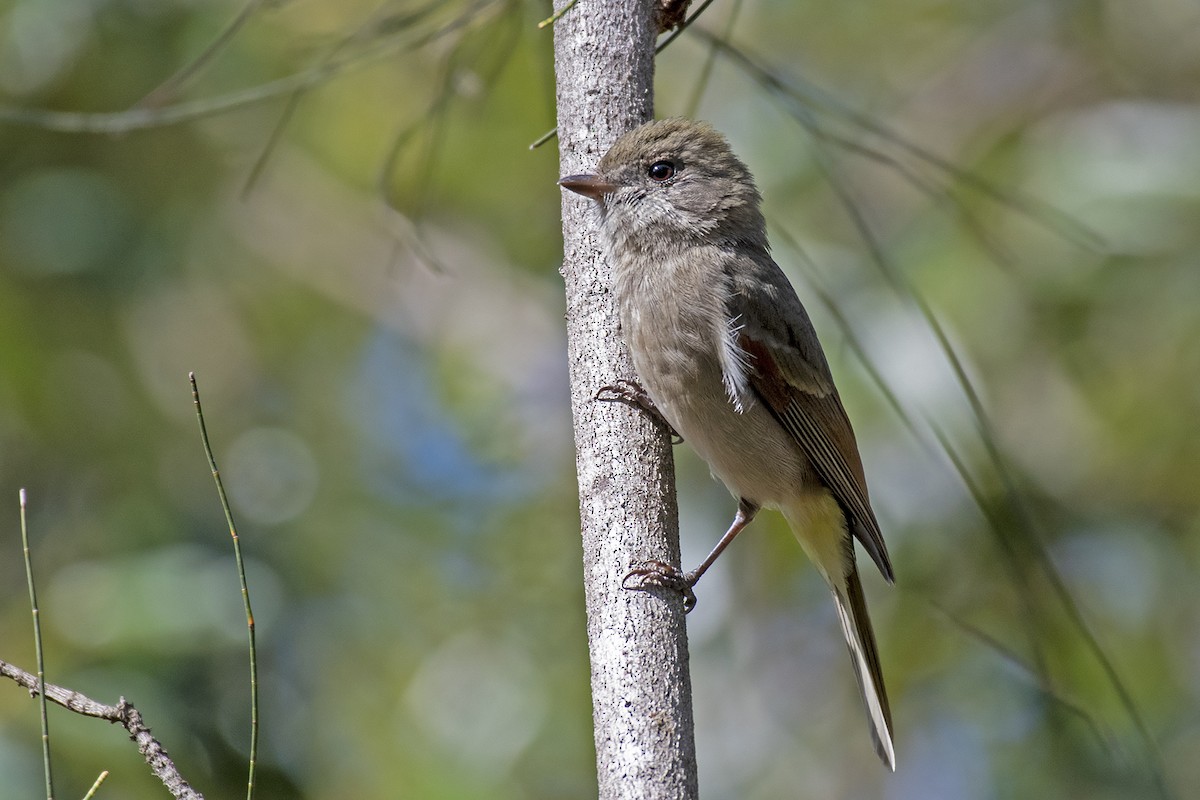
{"x":641,"y":688}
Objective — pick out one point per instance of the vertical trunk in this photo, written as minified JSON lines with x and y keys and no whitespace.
{"x":641,"y":689}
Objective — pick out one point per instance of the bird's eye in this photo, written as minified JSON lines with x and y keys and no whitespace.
{"x":661,"y":171}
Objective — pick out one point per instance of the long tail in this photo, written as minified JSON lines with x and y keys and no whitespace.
{"x":856,"y":625}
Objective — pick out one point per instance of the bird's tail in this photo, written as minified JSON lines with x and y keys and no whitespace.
{"x":856,"y":625}
{"x":820,"y":526}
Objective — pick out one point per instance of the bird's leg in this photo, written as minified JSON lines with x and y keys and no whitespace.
{"x":660,"y":573}
{"x":624,"y":391}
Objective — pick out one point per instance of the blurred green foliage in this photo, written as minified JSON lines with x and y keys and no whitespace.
{"x":362,"y":274}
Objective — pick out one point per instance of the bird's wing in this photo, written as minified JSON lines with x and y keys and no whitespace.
{"x":787,"y":370}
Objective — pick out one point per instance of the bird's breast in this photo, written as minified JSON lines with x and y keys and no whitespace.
{"x":674,"y":326}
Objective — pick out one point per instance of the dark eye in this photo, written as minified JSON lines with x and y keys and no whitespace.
{"x":661,"y":171}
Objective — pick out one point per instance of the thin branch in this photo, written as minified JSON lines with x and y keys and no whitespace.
{"x":851,"y":335}
{"x":1038,"y":671}
{"x":802,"y":98}
{"x":430,"y":124}
{"x":670,"y":14}
{"x":374,"y":25}
{"x":1058,"y":222}
{"x":1063,"y":594}
{"x":142,"y":118}
{"x":996,"y":525}
{"x":122,"y":713}
{"x":1104,"y":736}
{"x":710,"y":58}
{"x":939,"y":194}
{"x":557,"y":15}
{"x":687,"y":23}
{"x":1014,"y":498}
{"x":172,"y":85}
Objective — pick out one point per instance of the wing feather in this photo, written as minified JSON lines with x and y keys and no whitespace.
{"x":787,"y":369}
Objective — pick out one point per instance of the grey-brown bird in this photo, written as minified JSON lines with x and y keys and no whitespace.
{"x":728,"y":357}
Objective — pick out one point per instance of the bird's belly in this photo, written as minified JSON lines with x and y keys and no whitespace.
{"x":748,"y":450}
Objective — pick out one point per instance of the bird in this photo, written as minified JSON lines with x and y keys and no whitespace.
{"x":726,"y":355}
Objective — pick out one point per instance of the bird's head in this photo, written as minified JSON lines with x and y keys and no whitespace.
{"x":672,"y":183}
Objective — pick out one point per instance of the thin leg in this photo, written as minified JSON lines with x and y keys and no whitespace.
{"x":745,"y":515}
{"x":658,"y":573}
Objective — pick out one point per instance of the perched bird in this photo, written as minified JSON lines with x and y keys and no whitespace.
{"x":727,"y":355}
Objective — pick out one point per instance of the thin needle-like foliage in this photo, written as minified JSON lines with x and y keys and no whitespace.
{"x":39,"y":655}
{"x":241,"y":569}
{"x":800,"y":104}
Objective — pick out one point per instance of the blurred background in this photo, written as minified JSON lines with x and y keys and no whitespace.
{"x":329,"y":212}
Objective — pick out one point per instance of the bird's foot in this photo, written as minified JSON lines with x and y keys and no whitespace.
{"x":632,"y":392}
{"x":660,"y":574}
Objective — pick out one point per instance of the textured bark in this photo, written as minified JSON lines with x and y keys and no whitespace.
{"x":641,"y":688}
{"x":124,"y":713}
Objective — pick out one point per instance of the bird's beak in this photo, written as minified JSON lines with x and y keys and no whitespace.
{"x":592,"y":186}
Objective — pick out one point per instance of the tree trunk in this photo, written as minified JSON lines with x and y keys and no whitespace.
{"x":641,"y":688}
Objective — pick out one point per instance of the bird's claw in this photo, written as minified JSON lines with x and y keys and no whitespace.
{"x":627,"y":391}
{"x":660,"y":574}
{"x":632,"y":392}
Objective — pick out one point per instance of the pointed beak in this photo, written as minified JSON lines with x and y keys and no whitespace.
{"x":592,"y":186}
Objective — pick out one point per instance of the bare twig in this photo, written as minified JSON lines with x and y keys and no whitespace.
{"x":122,"y":713}
{"x":1103,"y":736}
{"x":427,"y":131}
{"x":670,"y":13}
{"x":802,"y":100}
{"x":557,"y":15}
{"x":388,"y":43}
{"x":376,"y":25}
{"x":169,"y":88}
{"x":710,"y":58}
{"x":1014,"y":499}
